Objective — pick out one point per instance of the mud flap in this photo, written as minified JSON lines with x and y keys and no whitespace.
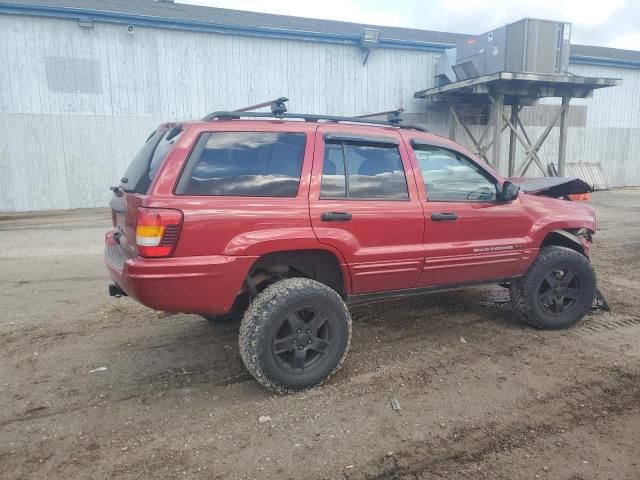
{"x":599,"y":303}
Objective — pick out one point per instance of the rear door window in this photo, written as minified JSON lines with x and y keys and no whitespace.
{"x":145,"y":165}
{"x":363,"y":171}
{"x":246,"y":164}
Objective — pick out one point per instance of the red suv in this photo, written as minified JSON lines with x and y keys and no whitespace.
{"x":283,"y":219}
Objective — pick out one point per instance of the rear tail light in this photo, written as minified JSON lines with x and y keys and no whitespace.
{"x":157,"y":231}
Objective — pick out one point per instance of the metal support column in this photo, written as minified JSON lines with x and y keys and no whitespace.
{"x":498,"y":106}
{"x":523,"y":89}
{"x":452,"y":124}
{"x":512,"y":141}
{"x":562,"y":149}
{"x":531,"y":151}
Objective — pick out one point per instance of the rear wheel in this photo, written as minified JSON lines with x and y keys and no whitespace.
{"x":295,"y":335}
{"x":557,"y":290}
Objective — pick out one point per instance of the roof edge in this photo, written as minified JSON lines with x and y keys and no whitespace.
{"x":603,"y":61}
{"x":176,"y":24}
{"x":189,"y":25}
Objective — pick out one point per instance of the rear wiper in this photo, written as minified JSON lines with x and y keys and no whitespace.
{"x":125,"y":181}
{"x":117,"y":190}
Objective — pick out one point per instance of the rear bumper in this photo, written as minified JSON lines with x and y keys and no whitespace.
{"x":204,"y":284}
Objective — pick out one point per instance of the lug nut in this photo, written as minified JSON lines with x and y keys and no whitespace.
{"x":293,"y":341}
{"x":309,"y":341}
{"x":309,"y":331}
{"x":299,"y":331}
{"x":300,"y":347}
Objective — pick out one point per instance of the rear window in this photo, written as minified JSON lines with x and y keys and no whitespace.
{"x":145,"y":165}
{"x":246,"y":164}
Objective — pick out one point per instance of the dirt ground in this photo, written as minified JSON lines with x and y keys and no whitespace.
{"x":94,"y":387}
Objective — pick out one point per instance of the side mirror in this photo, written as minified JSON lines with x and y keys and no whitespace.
{"x":509,"y":191}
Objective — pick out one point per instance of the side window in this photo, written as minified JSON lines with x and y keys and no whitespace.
{"x":144,"y":166}
{"x":246,"y":164}
{"x":162,"y":151}
{"x":366,"y":171}
{"x":333,"y":178}
{"x":450,"y":177}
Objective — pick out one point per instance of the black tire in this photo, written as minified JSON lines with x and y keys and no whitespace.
{"x":295,"y":335}
{"x":557,"y":291}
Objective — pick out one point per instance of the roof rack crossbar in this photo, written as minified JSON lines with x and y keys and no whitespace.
{"x":393,"y":116}
{"x":278,"y":107}
{"x":278,"y":100}
{"x":235,"y":115}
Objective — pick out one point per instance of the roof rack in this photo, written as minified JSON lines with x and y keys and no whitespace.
{"x":393,"y":116}
{"x":277,"y":104}
{"x":279,"y":109}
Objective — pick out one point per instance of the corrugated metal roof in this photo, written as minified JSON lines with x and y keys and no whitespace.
{"x":606,"y":52}
{"x":227,"y":17}
{"x":181,"y":14}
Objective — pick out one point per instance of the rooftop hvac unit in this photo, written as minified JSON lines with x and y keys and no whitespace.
{"x":526,"y":46}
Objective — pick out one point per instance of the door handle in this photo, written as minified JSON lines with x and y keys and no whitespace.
{"x":443,"y":217}
{"x":335,"y":216}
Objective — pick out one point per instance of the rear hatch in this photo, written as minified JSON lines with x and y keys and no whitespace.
{"x":129,"y":195}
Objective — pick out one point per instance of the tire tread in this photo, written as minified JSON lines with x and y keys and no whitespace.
{"x":522,"y":288}
{"x":257,"y":316}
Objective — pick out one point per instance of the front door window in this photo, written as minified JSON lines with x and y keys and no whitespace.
{"x":450,"y":177}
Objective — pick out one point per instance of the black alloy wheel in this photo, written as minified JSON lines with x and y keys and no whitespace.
{"x":301,"y":340}
{"x":559,"y":291}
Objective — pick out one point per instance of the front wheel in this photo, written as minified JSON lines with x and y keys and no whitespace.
{"x":557,"y":291}
{"x":295,"y":335}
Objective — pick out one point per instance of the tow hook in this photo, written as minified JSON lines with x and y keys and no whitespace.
{"x":116,"y":291}
{"x":599,"y":303}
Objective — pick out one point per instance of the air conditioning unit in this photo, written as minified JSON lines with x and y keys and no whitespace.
{"x":526,"y":46}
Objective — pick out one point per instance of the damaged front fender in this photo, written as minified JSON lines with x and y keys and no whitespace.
{"x":555,"y":187}
{"x":577,"y":239}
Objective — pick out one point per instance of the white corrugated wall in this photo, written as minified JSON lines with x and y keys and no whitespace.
{"x":76,"y":103}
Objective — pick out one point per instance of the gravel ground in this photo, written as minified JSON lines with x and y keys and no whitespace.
{"x":438,"y":387}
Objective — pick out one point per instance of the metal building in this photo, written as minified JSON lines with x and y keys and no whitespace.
{"x":83,"y":82}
